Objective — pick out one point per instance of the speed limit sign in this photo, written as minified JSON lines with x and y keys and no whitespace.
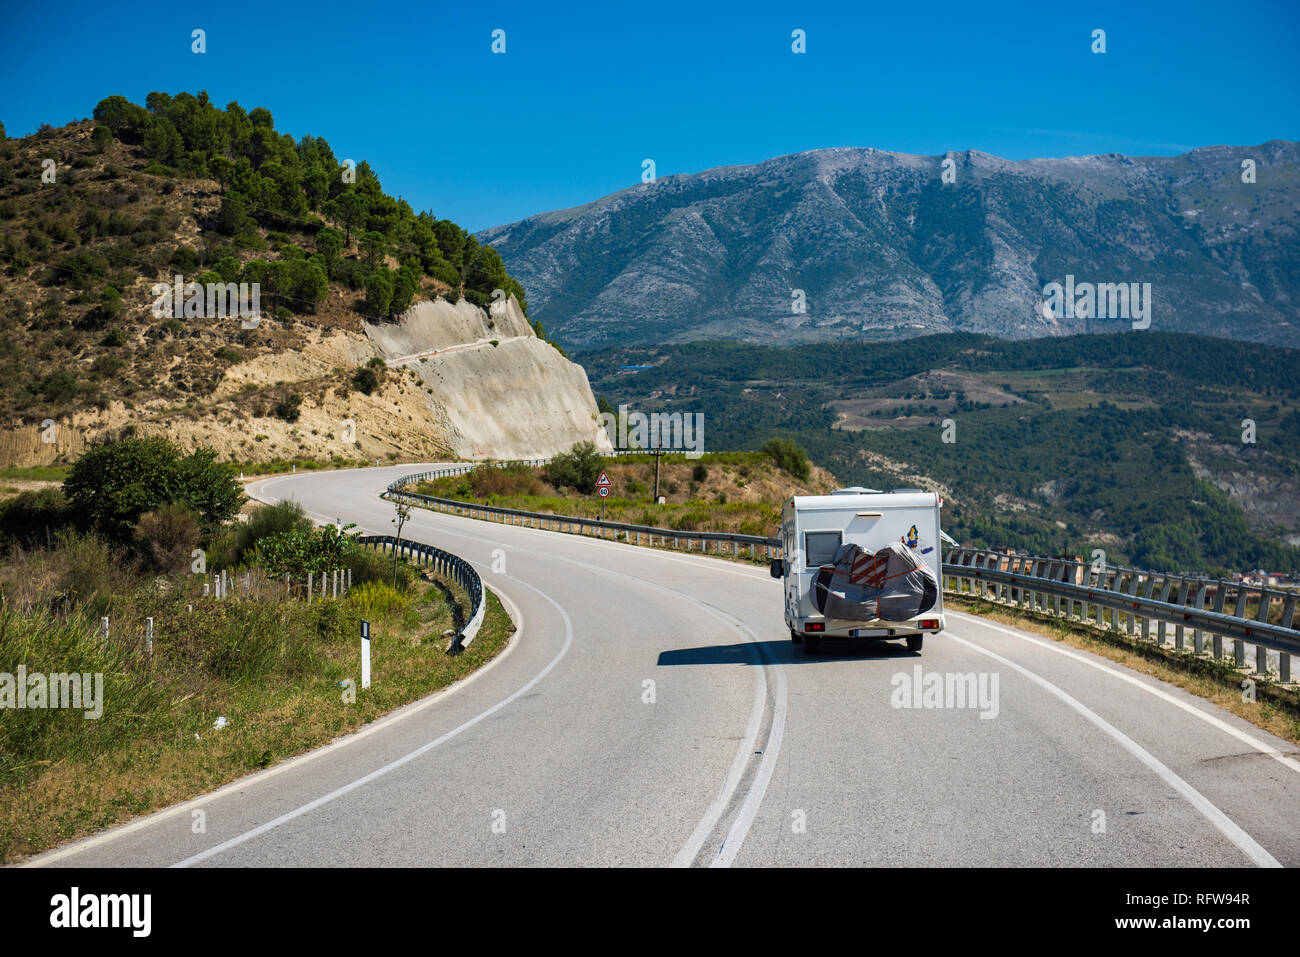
{"x":604,"y":491}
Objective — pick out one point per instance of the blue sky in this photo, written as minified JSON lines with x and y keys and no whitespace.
{"x":585,"y":92}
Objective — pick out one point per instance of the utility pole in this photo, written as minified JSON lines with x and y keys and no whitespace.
{"x":657,"y":453}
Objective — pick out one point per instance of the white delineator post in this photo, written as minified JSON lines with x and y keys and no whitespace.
{"x":365,"y":654}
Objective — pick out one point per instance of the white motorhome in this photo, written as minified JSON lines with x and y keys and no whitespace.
{"x":813,"y":529}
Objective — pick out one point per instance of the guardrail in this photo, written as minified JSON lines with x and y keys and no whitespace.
{"x":442,"y":563}
{"x":578,"y":525}
{"x":1137,"y":599}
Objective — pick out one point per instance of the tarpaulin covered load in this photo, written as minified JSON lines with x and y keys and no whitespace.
{"x":891,"y":584}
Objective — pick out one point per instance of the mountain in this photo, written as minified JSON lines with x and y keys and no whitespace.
{"x":883,"y":248}
{"x":99,"y":218}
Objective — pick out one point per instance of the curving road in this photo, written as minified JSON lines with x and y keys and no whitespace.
{"x":653,"y":711}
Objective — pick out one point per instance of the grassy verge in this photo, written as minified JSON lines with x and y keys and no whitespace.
{"x":739,"y":492}
{"x":275,"y":669}
{"x":1276,"y":708}
{"x":35,"y":473}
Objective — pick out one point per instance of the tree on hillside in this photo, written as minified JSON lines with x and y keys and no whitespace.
{"x":349,"y":207}
{"x":119,"y":114}
{"x":329,"y":243}
{"x":379,"y":293}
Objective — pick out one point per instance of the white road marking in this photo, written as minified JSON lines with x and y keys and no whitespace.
{"x":740,"y":826}
{"x":405,"y":759}
{"x":691,"y":848}
{"x":771,"y":749}
{"x":1160,"y":693}
{"x":1243,"y":841}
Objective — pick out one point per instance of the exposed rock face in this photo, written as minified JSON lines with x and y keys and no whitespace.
{"x":516,"y":399}
{"x":882,"y":247}
{"x":472,"y":400}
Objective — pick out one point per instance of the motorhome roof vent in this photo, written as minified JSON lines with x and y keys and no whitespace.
{"x":908,"y":490}
{"x":856,"y":490}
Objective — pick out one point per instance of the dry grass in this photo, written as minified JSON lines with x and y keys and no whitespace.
{"x":271,"y":667}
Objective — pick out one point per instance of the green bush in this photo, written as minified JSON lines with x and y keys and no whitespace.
{"x":112,"y":485}
{"x":298,"y":550}
{"x":578,"y":468}
{"x":788,"y":455}
{"x":28,"y":518}
{"x":269,"y":520}
{"x":365,"y":381}
{"x":372,"y":565}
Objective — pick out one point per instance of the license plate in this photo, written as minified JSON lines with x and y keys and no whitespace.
{"x":870,"y":632}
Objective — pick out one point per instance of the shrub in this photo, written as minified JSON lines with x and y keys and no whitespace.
{"x":700,"y":473}
{"x":298,"y":551}
{"x":112,"y":485}
{"x":488,"y":480}
{"x":365,"y":381}
{"x":58,"y":386}
{"x":29,"y":517}
{"x":166,"y":537}
{"x":288,"y":407}
{"x":579,"y":467}
{"x":788,"y":455}
{"x":372,"y":565}
{"x":266,"y":521}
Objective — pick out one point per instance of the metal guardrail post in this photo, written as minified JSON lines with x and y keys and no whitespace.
{"x":1133,"y":594}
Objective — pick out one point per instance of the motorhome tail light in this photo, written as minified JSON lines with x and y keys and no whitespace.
{"x":816,"y":626}
{"x":930,"y":624}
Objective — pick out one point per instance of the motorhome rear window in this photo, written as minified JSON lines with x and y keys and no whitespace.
{"x":820,"y":547}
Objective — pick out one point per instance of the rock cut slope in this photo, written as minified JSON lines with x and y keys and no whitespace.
{"x":496,"y":390}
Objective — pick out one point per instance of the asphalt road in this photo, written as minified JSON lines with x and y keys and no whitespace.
{"x":653,"y":711}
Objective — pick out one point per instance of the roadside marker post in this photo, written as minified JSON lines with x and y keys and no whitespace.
{"x":365,"y":654}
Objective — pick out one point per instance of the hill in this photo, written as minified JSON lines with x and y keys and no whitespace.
{"x":100,"y":215}
{"x":1136,"y":443}
{"x":878,"y":246}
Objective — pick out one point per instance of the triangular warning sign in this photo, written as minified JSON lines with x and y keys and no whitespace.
{"x":603,"y":480}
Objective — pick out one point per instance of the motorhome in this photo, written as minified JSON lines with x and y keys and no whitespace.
{"x":861,"y":563}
